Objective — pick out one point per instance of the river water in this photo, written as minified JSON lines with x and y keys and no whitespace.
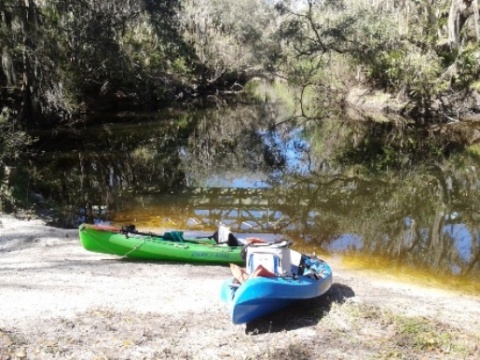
{"x":191,"y":172}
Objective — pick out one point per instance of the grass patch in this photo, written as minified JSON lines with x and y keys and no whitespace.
{"x":383,"y":334}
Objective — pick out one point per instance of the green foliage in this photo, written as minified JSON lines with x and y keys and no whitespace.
{"x":475,"y":85}
{"x":379,"y":146}
{"x":420,"y":75}
{"x":468,"y":66}
{"x":474,"y":151}
{"x":180,"y":66}
{"x":284,"y":95}
{"x":73,"y":54}
{"x":77,"y":52}
{"x":398,"y":63}
{"x":87,"y":54}
{"x":231,"y":36}
{"x":13,"y":143}
{"x":12,"y":140}
{"x":400,"y":47}
{"x":419,"y":333}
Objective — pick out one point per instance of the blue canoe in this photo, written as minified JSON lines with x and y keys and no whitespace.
{"x":259,"y":296}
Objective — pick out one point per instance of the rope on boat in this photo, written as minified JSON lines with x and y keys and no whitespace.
{"x":134,"y":248}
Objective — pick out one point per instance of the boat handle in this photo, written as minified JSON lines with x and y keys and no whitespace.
{"x":181,"y":246}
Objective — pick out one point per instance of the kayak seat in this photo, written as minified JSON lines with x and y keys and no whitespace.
{"x":173,"y":236}
{"x":274,"y":257}
{"x":270,"y":262}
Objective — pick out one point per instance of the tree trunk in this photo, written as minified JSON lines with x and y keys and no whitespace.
{"x":460,"y":10}
{"x":475,"y":17}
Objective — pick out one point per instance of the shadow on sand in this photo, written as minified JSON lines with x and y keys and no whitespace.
{"x":301,"y":313}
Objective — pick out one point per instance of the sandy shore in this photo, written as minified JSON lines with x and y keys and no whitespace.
{"x":58,"y":301}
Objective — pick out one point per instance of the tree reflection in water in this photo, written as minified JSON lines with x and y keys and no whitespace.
{"x":197,"y":170}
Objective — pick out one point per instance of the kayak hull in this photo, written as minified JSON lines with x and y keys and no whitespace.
{"x":260,"y":296}
{"x":110,"y":240}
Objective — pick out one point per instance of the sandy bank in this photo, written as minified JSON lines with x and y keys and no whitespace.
{"x":59,"y":301}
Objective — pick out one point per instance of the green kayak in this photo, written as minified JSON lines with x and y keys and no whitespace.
{"x":168,"y":246}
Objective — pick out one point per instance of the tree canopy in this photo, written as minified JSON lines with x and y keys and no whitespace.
{"x":64,"y":59}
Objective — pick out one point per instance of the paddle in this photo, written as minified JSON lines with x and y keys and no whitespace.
{"x":171,"y":235}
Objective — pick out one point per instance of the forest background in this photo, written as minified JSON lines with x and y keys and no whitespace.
{"x":404,"y":67}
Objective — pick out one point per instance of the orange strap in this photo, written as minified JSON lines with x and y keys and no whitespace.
{"x":104,"y":227}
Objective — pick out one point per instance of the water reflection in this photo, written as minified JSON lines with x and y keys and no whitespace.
{"x":158,"y":174}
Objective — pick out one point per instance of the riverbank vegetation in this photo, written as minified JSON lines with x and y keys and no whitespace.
{"x":64,"y":58}
{"x":408,"y":69}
